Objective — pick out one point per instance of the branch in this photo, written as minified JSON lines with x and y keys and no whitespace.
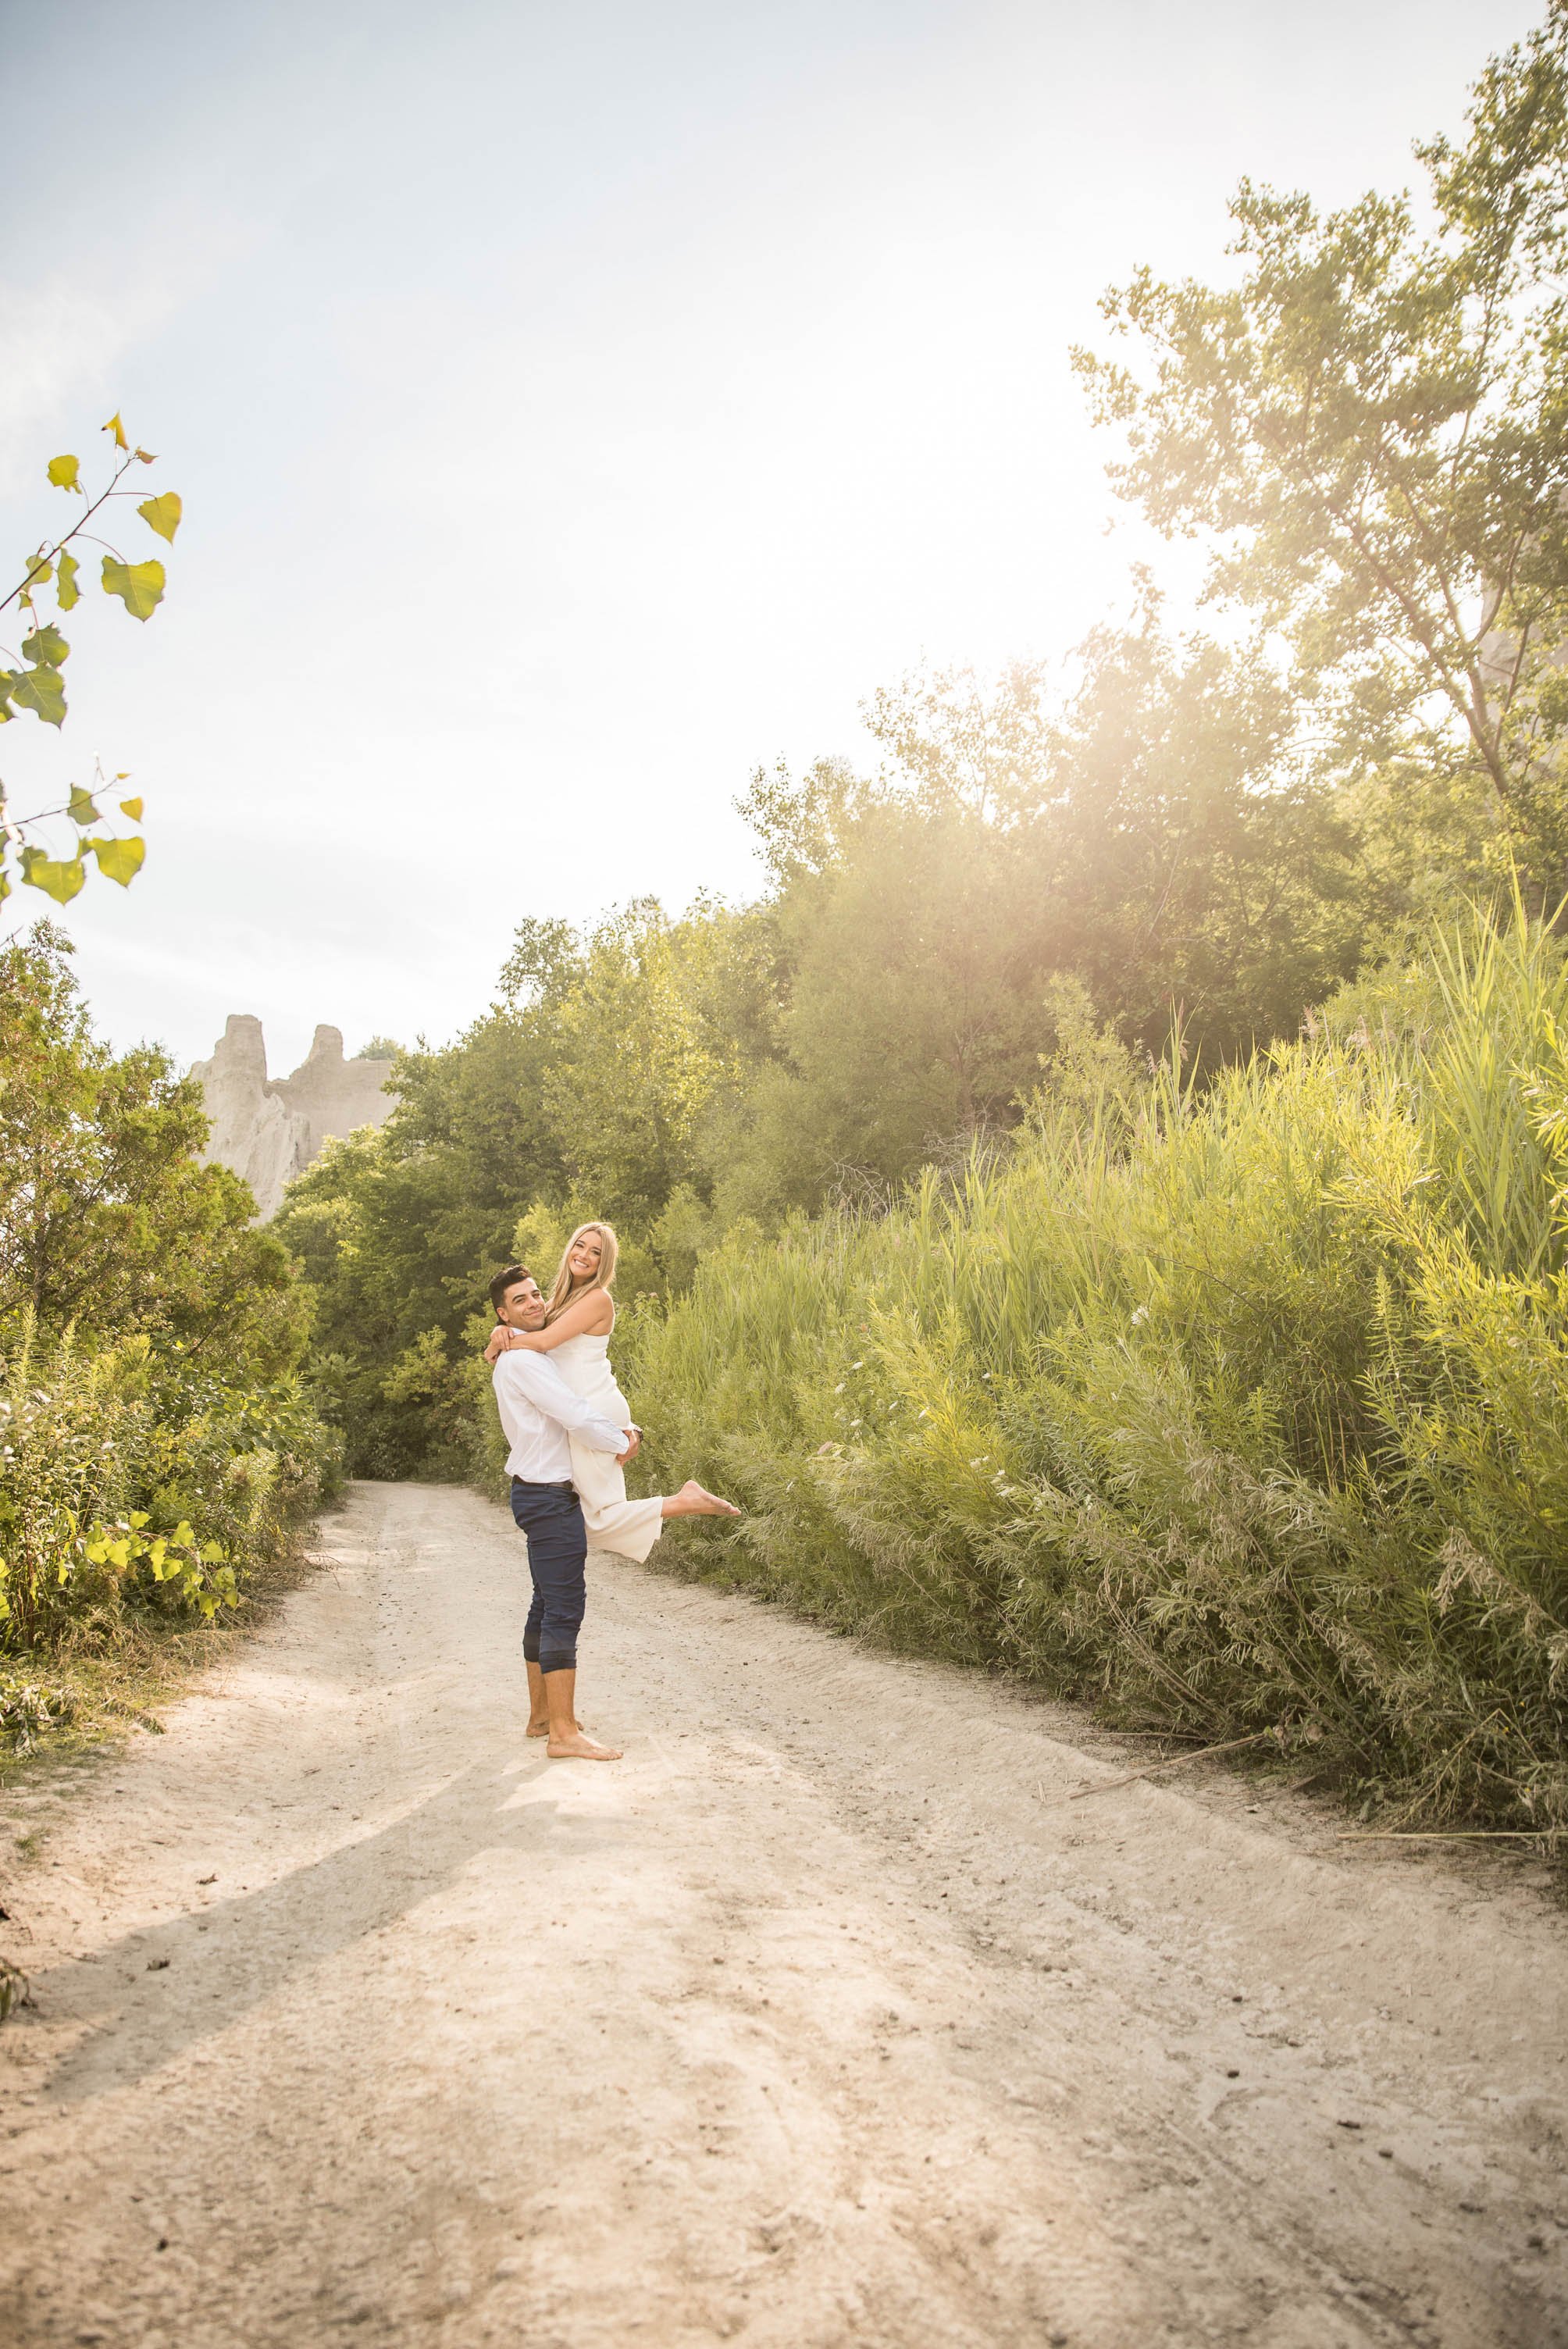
{"x":1420,"y":628}
{"x":76,"y":530}
{"x":1233,"y":1745}
{"x":1452,"y":1835}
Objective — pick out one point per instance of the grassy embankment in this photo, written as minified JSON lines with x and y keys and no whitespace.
{"x":1239,"y":1412}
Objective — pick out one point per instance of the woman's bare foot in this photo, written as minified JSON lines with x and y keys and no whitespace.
{"x":695,"y":1500}
{"x":542,"y":1728}
{"x":578,"y":1748}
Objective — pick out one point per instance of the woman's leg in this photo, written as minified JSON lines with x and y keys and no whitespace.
{"x":630,"y":1528}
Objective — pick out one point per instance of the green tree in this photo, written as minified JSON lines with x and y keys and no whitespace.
{"x":106,"y":1218}
{"x":398,"y":1230}
{"x":586,"y":1087}
{"x":1200,"y":866}
{"x":1158,"y":837}
{"x":913,"y":1009}
{"x":1370,"y":424}
{"x":37,"y":684}
{"x":156,"y":1441}
{"x":652,"y":1043}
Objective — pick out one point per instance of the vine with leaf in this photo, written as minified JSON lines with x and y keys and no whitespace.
{"x":36,"y":684}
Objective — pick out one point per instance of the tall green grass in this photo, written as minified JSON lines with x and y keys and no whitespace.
{"x":1239,"y":1411}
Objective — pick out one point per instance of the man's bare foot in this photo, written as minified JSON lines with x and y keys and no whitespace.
{"x":542,"y":1728}
{"x":695,"y":1500}
{"x":578,"y":1748}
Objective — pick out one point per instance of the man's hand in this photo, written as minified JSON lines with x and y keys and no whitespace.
{"x":634,"y":1440}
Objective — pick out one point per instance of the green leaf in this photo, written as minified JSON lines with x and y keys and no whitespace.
{"x":162,"y":514}
{"x":42,"y":690}
{"x":63,"y":471}
{"x":36,"y":568}
{"x":66,"y":587}
{"x":118,"y":429}
{"x":119,"y":859}
{"x":81,"y":810}
{"x":132,"y":808}
{"x":60,"y":880}
{"x":8,"y":677}
{"x":44,"y":647}
{"x":139,"y":586}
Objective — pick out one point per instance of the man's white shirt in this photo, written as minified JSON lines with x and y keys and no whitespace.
{"x":538,"y":1411}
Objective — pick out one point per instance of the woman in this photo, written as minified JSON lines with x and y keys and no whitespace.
{"x":576,"y":1335}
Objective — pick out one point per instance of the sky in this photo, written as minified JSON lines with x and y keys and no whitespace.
{"x":577,"y":408}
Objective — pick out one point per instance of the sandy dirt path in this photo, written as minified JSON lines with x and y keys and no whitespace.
{"x":824,"y":2019}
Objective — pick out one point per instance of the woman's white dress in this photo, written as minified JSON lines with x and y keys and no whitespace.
{"x":629,"y":1528}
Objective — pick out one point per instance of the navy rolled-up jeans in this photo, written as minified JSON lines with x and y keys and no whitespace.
{"x":550,"y":1516}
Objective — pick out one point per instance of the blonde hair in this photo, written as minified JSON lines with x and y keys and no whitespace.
{"x":563,"y":1289}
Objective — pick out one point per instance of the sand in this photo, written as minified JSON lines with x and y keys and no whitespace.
{"x":825,"y":2018}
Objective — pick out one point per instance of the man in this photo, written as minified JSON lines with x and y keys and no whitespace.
{"x":538,"y":1411}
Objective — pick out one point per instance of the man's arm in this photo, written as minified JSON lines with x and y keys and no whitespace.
{"x":536,"y":1376}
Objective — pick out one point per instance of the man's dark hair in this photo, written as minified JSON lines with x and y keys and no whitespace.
{"x":505,"y":1280}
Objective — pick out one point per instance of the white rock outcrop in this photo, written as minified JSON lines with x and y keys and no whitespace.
{"x":269,"y":1128}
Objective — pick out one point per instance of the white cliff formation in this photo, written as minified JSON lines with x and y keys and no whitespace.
{"x":269,"y":1130}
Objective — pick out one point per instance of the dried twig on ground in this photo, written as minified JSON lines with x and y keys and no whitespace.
{"x":1451,"y":1834}
{"x":1232,"y":1745}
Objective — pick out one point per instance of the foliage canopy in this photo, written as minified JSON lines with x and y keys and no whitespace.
{"x":1370,"y":426}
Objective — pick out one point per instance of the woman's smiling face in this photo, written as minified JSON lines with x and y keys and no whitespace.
{"x":587,"y":1255}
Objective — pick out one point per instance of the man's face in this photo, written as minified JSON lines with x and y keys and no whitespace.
{"x":522,"y":1306}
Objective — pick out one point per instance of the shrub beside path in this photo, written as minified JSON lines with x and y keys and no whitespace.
{"x":826,"y":2018}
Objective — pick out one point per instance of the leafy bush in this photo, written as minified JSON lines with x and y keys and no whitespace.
{"x":156,"y":1442}
{"x":1237,"y":1411}
{"x":132,"y":1481}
